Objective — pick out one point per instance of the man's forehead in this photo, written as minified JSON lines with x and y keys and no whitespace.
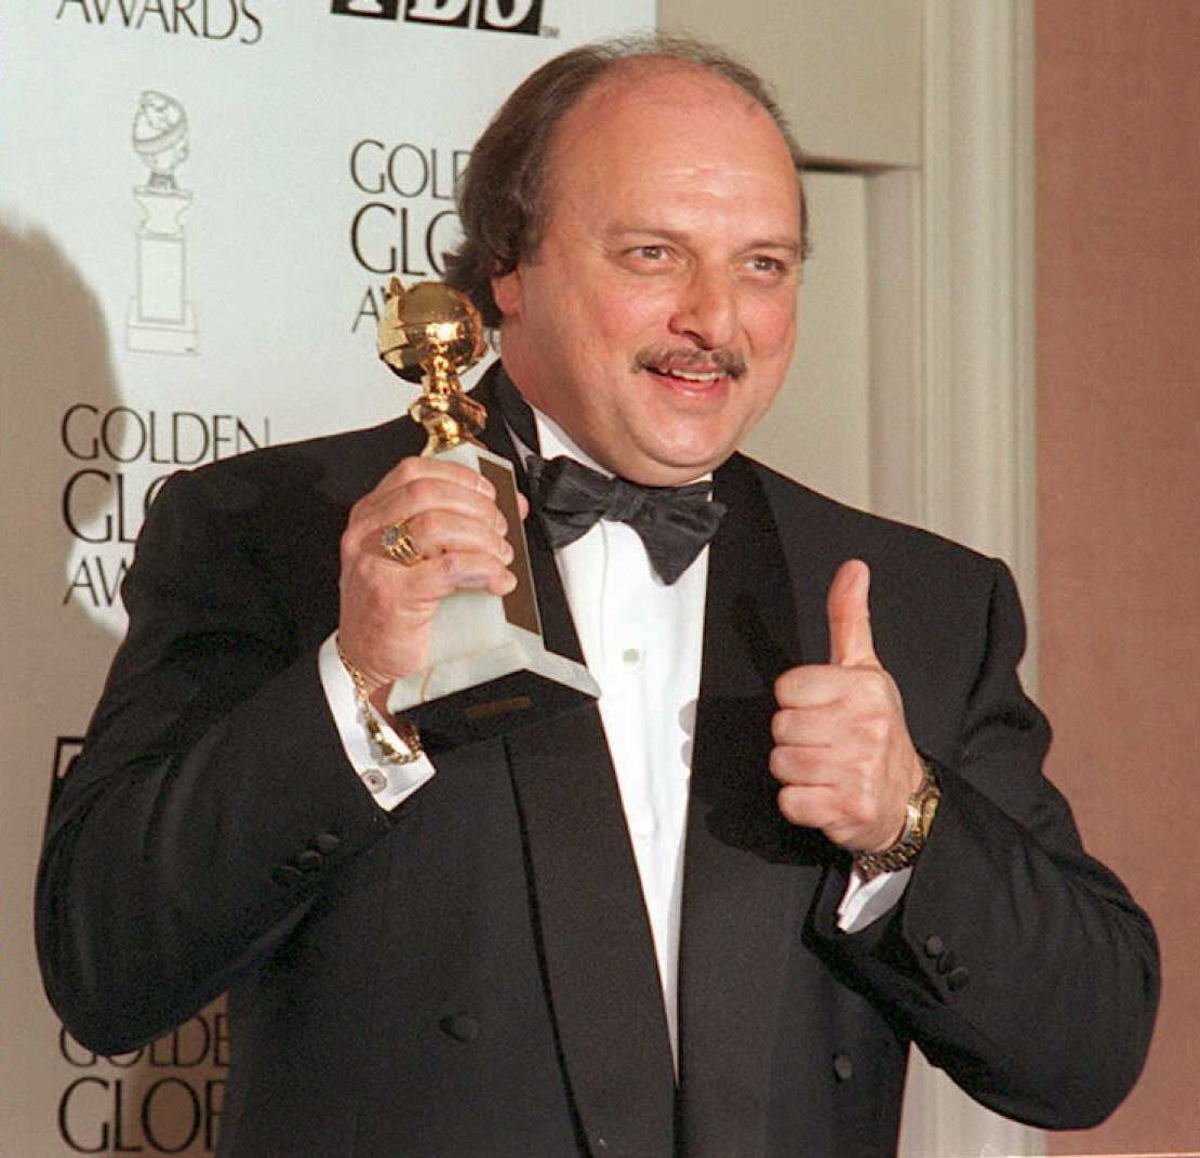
{"x":631,"y":86}
{"x":647,"y":109}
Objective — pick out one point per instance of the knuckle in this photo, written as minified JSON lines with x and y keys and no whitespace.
{"x":784,"y":685}
{"x":777,"y":762}
{"x":790,"y":802}
{"x":407,"y":470}
{"x":857,"y":812}
{"x":787,"y":763}
{"x":422,"y":526}
{"x":374,"y":583}
{"x":420,"y":494}
{"x":879,"y":686}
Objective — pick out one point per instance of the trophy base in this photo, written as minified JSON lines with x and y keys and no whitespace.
{"x":156,"y":336}
{"x":485,"y":694}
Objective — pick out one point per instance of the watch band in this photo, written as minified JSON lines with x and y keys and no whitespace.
{"x":922,"y":807}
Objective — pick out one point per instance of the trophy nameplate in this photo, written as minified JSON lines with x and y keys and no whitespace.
{"x":489,"y":669}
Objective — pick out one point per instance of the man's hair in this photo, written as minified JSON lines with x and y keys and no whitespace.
{"x":502,"y":197}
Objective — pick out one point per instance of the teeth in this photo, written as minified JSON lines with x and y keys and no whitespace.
{"x":694,"y":376}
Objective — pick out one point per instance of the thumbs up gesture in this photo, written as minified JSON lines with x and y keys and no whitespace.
{"x":842,"y":751}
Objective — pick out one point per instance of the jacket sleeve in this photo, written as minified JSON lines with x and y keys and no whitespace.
{"x":1015,"y":961}
{"x":212,"y":802}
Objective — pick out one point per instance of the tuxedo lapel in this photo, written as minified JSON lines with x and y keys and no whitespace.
{"x":749,"y":876}
{"x":595,"y":944}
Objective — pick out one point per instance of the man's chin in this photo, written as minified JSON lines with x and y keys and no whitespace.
{"x":674,"y":466}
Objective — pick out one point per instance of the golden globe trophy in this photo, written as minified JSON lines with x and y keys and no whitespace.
{"x":489,"y":669}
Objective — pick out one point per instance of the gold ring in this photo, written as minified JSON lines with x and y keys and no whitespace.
{"x":398,"y":544}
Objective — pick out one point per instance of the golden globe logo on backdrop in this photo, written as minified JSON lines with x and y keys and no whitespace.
{"x":119,"y":458}
{"x":521,"y":16}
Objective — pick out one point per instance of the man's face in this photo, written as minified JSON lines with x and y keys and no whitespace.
{"x":656,"y":320}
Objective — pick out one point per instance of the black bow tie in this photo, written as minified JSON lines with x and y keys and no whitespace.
{"x":674,"y":523}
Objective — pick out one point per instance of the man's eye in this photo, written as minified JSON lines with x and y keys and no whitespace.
{"x":762,"y":264}
{"x":651,"y":252}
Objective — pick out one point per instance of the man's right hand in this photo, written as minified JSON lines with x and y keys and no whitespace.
{"x":387,"y":607}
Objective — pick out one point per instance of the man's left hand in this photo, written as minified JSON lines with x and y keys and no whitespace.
{"x":842,"y":750}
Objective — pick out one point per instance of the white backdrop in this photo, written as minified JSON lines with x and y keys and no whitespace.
{"x":199,"y":200}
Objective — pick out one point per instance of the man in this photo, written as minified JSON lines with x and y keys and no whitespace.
{"x":708,"y":915}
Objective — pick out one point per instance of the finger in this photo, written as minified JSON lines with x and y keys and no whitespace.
{"x":410,"y":470}
{"x":396,"y":598}
{"x":810,"y":807}
{"x":807,"y":767}
{"x":850,"y":640}
{"x":814,"y":686}
{"x":401,"y":503}
{"x":814,"y":727}
{"x":435,"y":578}
{"x":440,"y":532}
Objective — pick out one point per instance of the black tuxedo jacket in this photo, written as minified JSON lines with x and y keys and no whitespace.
{"x":473,"y":974}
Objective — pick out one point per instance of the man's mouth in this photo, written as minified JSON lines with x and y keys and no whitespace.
{"x":694,"y":367}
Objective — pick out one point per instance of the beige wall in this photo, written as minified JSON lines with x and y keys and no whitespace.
{"x":1118,"y":330}
{"x":847,"y":74}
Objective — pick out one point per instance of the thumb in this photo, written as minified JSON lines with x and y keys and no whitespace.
{"x":850,"y":640}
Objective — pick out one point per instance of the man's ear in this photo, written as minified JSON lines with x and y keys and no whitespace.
{"x":506,"y":289}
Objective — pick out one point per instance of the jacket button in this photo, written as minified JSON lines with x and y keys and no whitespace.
{"x":957,"y":978}
{"x":375,"y":780}
{"x":326,"y":842}
{"x":460,"y":1026}
{"x":934,"y":946}
{"x":843,"y":1067}
{"x":308,"y":861}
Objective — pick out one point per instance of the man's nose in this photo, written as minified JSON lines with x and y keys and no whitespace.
{"x":706,"y":309}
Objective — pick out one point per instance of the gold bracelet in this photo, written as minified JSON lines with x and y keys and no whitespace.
{"x":921,"y":809}
{"x":404,"y":729}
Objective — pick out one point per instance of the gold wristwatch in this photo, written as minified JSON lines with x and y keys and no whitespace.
{"x":922,"y":807}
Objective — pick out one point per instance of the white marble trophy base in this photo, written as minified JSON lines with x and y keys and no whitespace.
{"x":489,"y":669}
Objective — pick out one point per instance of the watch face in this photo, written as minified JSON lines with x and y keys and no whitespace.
{"x":912,"y":821}
{"x":929,"y":808}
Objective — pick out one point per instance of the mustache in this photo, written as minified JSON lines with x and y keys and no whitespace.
{"x":727,"y":361}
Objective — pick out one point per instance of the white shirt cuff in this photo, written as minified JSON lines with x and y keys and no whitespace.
{"x":867,"y":901}
{"x":388,"y":782}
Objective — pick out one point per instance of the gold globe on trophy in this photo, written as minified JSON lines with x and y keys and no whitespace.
{"x":433,"y":333}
